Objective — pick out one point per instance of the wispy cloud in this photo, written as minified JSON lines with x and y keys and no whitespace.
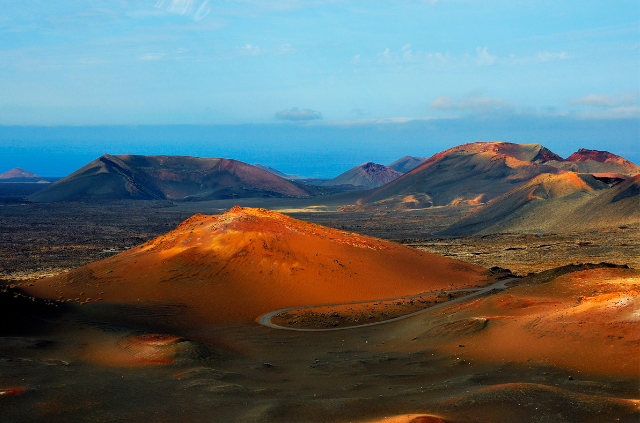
{"x":475,"y":103}
{"x":601,"y":100}
{"x":407,"y":55}
{"x":296,"y":114}
{"x":622,"y":112}
{"x":151,"y":56}
{"x":250,"y":49}
{"x":383,"y":121}
{"x":483,"y":57}
{"x":195,"y":9}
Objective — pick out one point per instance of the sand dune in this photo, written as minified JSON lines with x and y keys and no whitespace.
{"x":236,"y":266}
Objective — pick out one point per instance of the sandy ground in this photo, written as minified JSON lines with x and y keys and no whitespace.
{"x":561,"y":348}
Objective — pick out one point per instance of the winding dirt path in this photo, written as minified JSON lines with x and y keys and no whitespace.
{"x":265,"y":319}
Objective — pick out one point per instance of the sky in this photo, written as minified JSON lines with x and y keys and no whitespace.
{"x":313,"y":86}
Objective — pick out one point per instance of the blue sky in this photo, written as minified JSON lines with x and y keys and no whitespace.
{"x":361,"y":69}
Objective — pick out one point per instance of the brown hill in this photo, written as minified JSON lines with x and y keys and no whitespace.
{"x":595,"y":161}
{"x":19,"y":175}
{"x":168,"y":177}
{"x":366,"y":176}
{"x":236,"y":266}
{"x":407,"y":163}
{"x":556,"y":203}
{"x":468,"y":174}
{"x":476,"y":173}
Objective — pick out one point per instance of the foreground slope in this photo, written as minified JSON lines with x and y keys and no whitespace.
{"x":585,"y":321}
{"x":167,"y":177}
{"x":246,"y":262}
{"x":476,"y":173}
{"x":556,"y":203}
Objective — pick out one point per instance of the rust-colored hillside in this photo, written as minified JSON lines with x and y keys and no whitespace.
{"x":236,"y":266}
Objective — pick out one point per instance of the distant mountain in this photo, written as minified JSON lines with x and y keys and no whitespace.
{"x":476,"y":173}
{"x":366,"y":176}
{"x":407,"y":163}
{"x":595,"y":161}
{"x":302,"y":179}
{"x":168,"y":177}
{"x":20,"y":175}
{"x":274,"y":171}
{"x":556,"y":203}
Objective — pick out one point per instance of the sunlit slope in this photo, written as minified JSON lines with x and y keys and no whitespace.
{"x":585,"y":321}
{"x":468,"y":174}
{"x":236,"y":266}
{"x":477,"y":173}
{"x":168,"y":177}
{"x":556,"y":203}
{"x":595,"y":161}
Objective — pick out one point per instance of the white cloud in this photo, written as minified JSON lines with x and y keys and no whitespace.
{"x":600,"y":100}
{"x":151,"y":56}
{"x":296,"y":114}
{"x":443,"y":103}
{"x":406,"y":55}
{"x":251,"y":49}
{"x":195,"y":9}
{"x":622,"y":112}
{"x":484,"y":58}
{"x":475,"y":102}
{"x":545,"y":56}
{"x":384,"y":121}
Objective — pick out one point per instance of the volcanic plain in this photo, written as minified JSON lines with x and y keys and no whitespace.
{"x":491,"y":283}
{"x":561,"y":344}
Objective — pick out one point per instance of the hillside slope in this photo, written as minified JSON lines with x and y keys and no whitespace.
{"x":233,"y":267}
{"x":556,"y":203}
{"x":168,"y":177}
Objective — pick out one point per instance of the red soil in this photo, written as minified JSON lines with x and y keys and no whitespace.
{"x":584,"y":322}
{"x":11,"y":391}
{"x":409,"y":418}
{"x":239,"y":265}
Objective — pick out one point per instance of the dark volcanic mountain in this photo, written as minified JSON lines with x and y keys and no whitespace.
{"x":366,"y":176}
{"x":19,"y":175}
{"x":556,"y":203}
{"x":407,"y":163}
{"x":168,"y":177}
{"x":477,"y":173}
